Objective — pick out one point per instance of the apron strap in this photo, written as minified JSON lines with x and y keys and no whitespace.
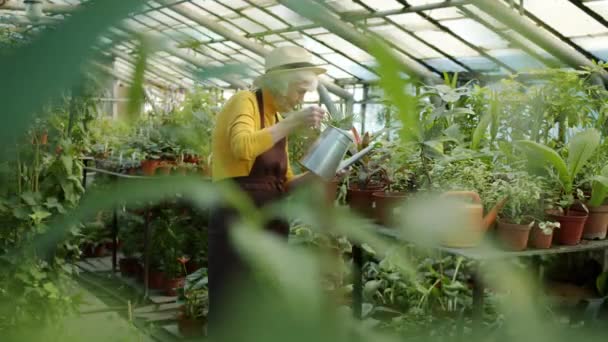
{"x":260,"y":100}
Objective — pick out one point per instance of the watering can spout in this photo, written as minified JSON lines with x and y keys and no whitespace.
{"x":491,"y":216}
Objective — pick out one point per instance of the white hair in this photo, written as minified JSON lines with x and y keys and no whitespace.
{"x":278,"y":83}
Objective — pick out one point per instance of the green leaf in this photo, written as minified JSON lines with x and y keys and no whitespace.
{"x":136,"y":91}
{"x":580,"y":149}
{"x":29,"y":198}
{"x":601,"y":283}
{"x":599,"y":188}
{"x":480,"y":131}
{"x":73,"y":37}
{"x":67,"y":162}
{"x":541,"y":155}
{"x":39,"y":215}
{"x":221,"y":71}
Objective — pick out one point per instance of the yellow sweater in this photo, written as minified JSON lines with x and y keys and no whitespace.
{"x":238,"y":138}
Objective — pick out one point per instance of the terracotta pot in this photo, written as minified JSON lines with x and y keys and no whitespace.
{"x":361,"y":201}
{"x":331,"y":190}
{"x":44,"y":139}
{"x":156,"y":280}
{"x":132,"y":171}
{"x":182,"y":171}
{"x":128,"y":266}
{"x":385,"y":203}
{"x":100,"y":251}
{"x":190,"y":327}
{"x":149,"y":166}
{"x":597,"y":223}
{"x":540,"y":240}
{"x":164,"y":169}
{"x":571,"y":227}
{"x":173,"y":284}
{"x":513,"y":236}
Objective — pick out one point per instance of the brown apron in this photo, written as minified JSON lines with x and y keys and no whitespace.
{"x":264,"y":184}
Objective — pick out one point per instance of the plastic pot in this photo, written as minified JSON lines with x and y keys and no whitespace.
{"x":571,"y":227}
{"x":540,"y":240}
{"x":385,"y":203}
{"x":597,"y":223}
{"x":513,"y":236}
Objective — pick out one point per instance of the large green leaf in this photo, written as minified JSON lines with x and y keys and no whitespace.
{"x":480,"y":131}
{"x":541,"y":155}
{"x":581,"y":148}
{"x":136,"y":91}
{"x":36,"y":73}
{"x":599,"y":188}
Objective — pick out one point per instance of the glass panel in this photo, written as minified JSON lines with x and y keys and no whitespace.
{"x":318,"y":30}
{"x":195,"y":34}
{"x":334,"y":72}
{"x":351,"y":67}
{"x":600,"y":7}
{"x":265,"y":18}
{"x":163,"y":18}
{"x":444,"y":13}
{"x":273,"y":38}
{"x":485,"y":17}
{"x":235,"y":3}
{"x":288,"y":15}
{"x":214,"y":54}
{"x":222,"y":48}
{"x":564,"y":17}
{"x":478,"y":63}
{"x":213,"y":7}
{"x":314,"y":46}
{"x":232,"y":27}
{"x":448,"y":43}
{"x":476,"y":33}
{"x":345,"y":6}
{"x":598,"y":46}
{"x":345,"y":47}
{"x":517,"y":59}
{"x":444,"y":64}
{"x":171,"y":13}
{"x":406,"y":41}
{"x":248,"y":25}
{"x":383,"y":5}
{"x":423,"y":2}
{"x":292,"y":35}
{"x":263,"y":3}
{"x":412,"y":21}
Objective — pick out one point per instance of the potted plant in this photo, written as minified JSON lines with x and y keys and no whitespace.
{"x":541,"y":236}
{"x":192,"y":316}
{"x":131,"y":244}
{"x":523,"y":205}
{"x":400,"y":181}
{"x":580,"y":148}
{"x":175,"y":273}
{"x":597,"y":222}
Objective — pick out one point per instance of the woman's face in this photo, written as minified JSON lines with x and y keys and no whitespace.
{"x":293,"y":97}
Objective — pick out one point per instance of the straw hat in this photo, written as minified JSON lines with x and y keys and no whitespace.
{"x":289,"y":58}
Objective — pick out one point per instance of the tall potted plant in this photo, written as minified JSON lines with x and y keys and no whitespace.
{"x":580,"y":148}
{"x":522,"y":209}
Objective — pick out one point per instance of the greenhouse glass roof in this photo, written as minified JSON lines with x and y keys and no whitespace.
{"x":433,"y":35}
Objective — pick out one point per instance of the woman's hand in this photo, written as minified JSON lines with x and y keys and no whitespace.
{"x":309,"y":116}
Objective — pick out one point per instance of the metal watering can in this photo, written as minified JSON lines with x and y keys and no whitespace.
{"x":324,"y":157}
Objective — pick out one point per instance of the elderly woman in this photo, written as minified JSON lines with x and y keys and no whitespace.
{"x":250,"y":148}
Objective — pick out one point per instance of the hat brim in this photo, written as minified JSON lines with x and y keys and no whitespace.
{"x":316,"y":70}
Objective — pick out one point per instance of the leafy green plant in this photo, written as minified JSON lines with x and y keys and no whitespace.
{"x":524,"y":196}
{"x":580,"y":149}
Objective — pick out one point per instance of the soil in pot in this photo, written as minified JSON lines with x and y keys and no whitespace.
{"x":571,"y":227}
{"x":385,"y":203}
{"x":597,"y":223}
{"x":190,"y":327}
{"x":361,"y":201}
{"x":538,"y":239}
{"x":173,"y":284}
{"x":513,"y":237}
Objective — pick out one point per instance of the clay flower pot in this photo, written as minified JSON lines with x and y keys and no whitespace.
{"x":361,"y":201}
{"x":164,"y":169}
{"x":128,"y":266}
{"x":149,"y":166}
{"x":597,"y":223}
{"x":571,"y":227}
{"x":385,"y":203}
{"x":190,"y":327}
{"x":540,"y":240}
{"x":513,"y":236}
{"x":156,"y":280}
{"x":173,"y":284}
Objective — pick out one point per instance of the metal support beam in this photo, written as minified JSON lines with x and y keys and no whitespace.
{"x":362,"y":15}
{"x":316,"y":13}
{"x":252,"y":46}
{"x":151,"y":69}
{"x":512,"y":19}
{"x":109,"y":71}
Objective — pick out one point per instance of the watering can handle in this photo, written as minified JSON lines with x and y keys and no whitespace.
{"x":472,"y":195}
